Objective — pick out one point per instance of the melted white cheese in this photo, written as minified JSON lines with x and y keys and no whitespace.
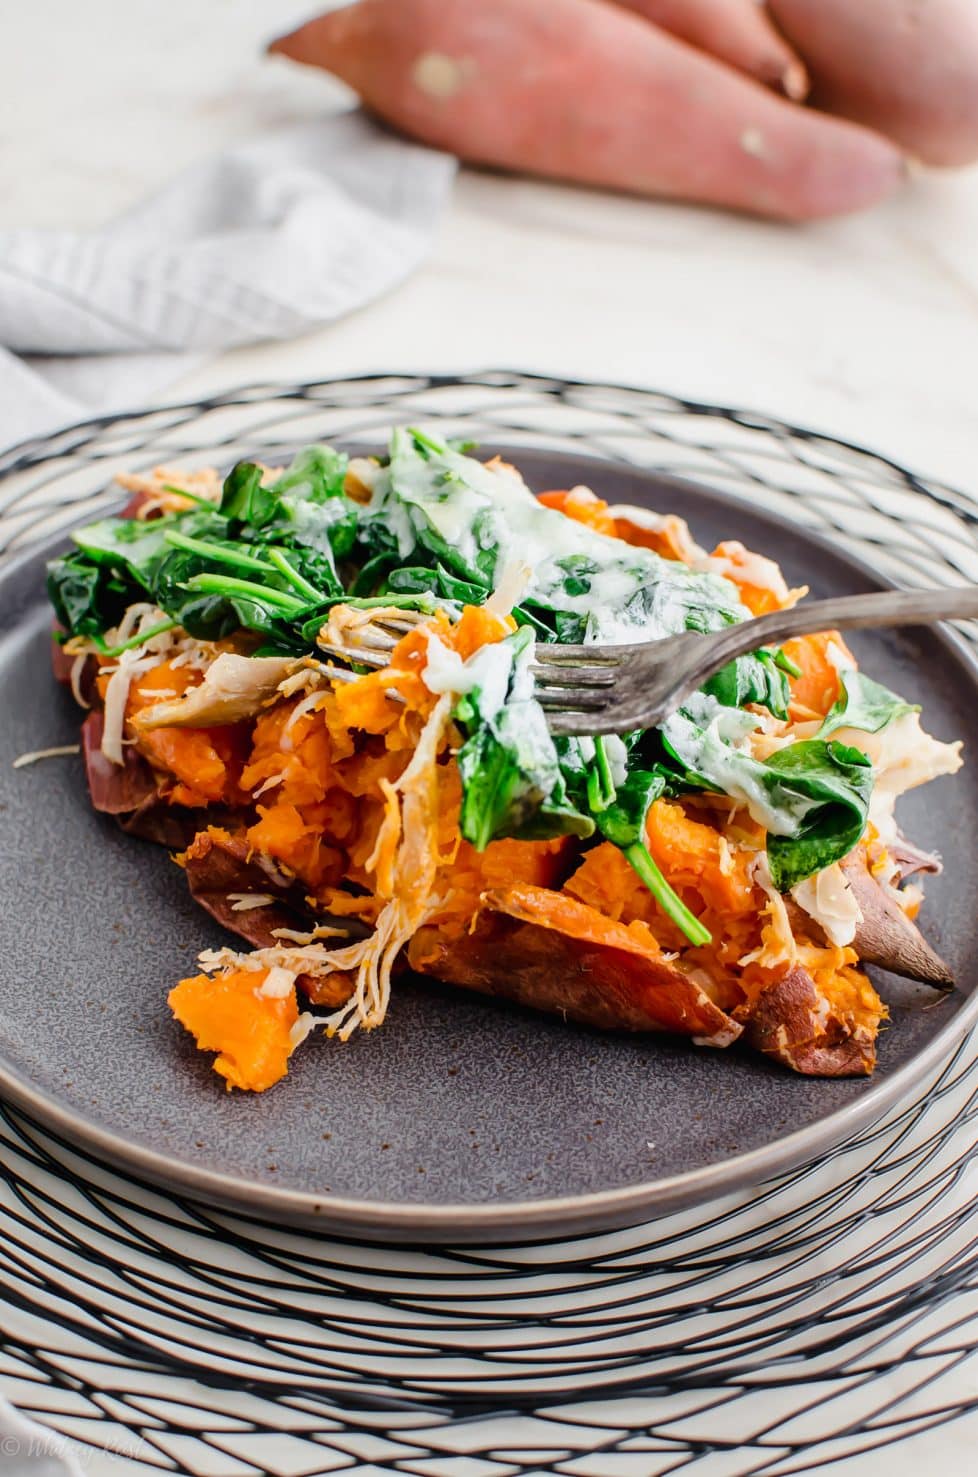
{"x":828,"y":898}
{"x":903,"y":757}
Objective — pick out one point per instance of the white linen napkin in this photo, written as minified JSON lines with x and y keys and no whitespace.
{"x":275,"y":237}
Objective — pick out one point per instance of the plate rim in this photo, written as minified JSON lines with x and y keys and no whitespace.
{"x":509,"y":1220}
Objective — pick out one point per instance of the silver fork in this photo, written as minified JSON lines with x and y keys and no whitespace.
{"x":614,"y":689}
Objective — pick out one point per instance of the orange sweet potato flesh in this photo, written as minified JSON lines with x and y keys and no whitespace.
{"x":582,"y":90}
{"x":737,"y":32}
{"x":249,"y":1031}
{"x":818,"y":686}
{"x":908,"y":68}
{"x":545,"y":950}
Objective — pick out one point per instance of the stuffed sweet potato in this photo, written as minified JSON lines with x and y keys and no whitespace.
{"x":314,"y":686}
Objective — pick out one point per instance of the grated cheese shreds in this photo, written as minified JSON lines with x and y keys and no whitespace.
{"x":305,"y":1024}
{"x":412,"y":882}
{"x":778,"y":946}
{"x":243,"y":902}
{"x":827,"y":897}
{"x":511,"y":586}
{"x":77,"y":668}
{"x":277,"y":984}
{"x":269,"y":784}
{"x":318,"y":931}
{"x":305,"y":705}
{"x":382,"y":859}
{"x":36,"y":755}
{"x":130,"y":666}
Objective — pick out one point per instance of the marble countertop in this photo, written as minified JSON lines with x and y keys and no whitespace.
{"x":866,"y":328}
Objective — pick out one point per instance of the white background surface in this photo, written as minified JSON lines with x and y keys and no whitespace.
{"x":867,"y":328}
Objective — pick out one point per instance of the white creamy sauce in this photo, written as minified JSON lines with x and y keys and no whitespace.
{"x":475,"y":507}
{"x":444,"y":669}
{"x":705,"y":751}
{"x":617,"y":756}
{"x":734,"y":725}
{"x":488,"y":670}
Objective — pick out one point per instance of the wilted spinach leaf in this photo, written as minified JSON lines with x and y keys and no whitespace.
{"x":864,"y":704}
{"x":512,"y":783}
{"x":88,"y":598}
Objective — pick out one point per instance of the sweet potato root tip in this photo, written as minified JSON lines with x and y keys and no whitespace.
{"x":886,"y":936}
{"x":589,"y":92}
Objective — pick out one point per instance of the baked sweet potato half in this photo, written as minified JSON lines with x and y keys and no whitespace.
{"x":313,"y":686}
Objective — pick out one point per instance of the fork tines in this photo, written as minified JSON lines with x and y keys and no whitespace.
{"x":573,"y":676}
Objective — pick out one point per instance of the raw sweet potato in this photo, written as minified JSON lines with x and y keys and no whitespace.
{"x":906,"y":67}
{"x":737,"y":32}
{"x":585,"y":91}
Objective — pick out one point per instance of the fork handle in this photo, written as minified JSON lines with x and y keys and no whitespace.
{"x":849,"y":612}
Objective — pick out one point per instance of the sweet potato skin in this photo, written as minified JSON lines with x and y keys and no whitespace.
{"x":789,"y":1023}
{"x":585,"y":91}
{"x":547,"y":951}
{"x":114,"y":789}
{"x":218,"y":866}
{"x":737,"y":32}
{"x":886,"y":936}
{"x":908,"y":68}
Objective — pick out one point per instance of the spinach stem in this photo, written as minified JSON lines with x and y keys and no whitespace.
{"x":602,"y":768}
{"x":423,"y":439}
{"x":297,"y":580}
{"x":785,"y":664}
{"x":194,"y":497}
{"x":133,"y":641}
{"x":640,"y":858}
{"x":222,"y":584}
{"x":208,"y":550}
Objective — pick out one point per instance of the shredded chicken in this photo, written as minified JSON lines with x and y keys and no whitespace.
{"x":234,"y":687}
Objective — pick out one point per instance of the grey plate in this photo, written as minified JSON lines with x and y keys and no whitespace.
{"x":460,"y":1119}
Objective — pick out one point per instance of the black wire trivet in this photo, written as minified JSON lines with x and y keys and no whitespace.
{"x":831,"y":1313}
